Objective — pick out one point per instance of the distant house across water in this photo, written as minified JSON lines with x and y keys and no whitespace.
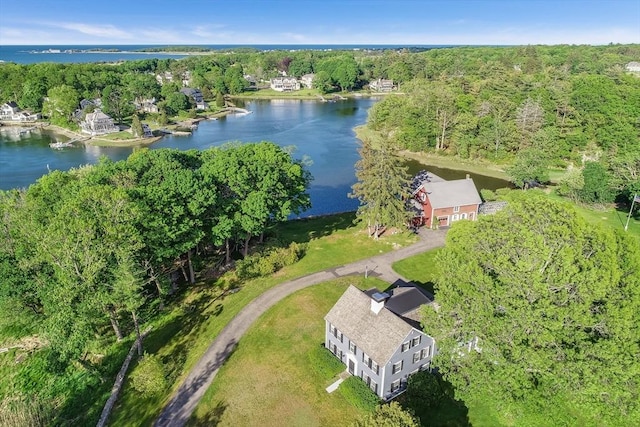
{"x":285,"y":84}
{"x":381,"y":85}
{"x":10,"y":111}
{"x":98,"y":123}
{"x":307,"y":80}
{"x":196,"y":96}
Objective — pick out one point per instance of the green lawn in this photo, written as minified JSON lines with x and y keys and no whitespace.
{"x":183,"y":334}
{"x":269,"y":379}
{"x":420,"y":269}
{"x":608,"y":216}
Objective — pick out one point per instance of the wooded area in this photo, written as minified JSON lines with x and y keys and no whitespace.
{"x":537,"y":316}
{"x":89,"y":254}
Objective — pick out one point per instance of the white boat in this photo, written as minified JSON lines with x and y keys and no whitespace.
{"x":60,"y":145}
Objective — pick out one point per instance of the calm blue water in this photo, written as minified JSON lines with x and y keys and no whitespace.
{"x":26,"y":55}
{"x":322,"y":132}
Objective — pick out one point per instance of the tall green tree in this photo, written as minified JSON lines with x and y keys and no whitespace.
{"x":382,"y":189}
{"x":537,"y":315}
{"x":531,"y":166}
{"x":61,"y":102}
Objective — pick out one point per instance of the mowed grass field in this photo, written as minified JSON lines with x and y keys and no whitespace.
{"x":181,"y":336}
{"x":269,"y":380}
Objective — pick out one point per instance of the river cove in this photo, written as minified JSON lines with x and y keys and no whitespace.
{"x":322,"y":134}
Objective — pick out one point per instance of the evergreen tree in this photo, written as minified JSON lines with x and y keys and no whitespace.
{"x":382,"y":189}
{"x":136,"y":127}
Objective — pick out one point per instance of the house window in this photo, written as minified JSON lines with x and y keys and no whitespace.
{"x":416,"y":356}
{"x":374,"y":387}
{"x":463,"y":216}
{"x":335,"y":332}
{"x":454,"y":217}
{"x":426,"y":352}
{"x":471,"y":216}
{"x":395,"y":386}
{"x":366,"y":360}
{"x":406,"y":346}
{"x":456,"y":209}
{"x":375,"y":368}
{"x":352,"y":347}
{"x":333,"y":349}
{"x":397,"y":367}
{"x":416,"y":341}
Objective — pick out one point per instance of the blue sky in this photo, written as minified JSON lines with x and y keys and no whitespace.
{"x":404,"y":22}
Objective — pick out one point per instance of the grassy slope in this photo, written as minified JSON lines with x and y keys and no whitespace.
{"x":183,"y":334}
{"x":268,"y":380}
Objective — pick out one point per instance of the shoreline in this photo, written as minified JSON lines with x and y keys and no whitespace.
{"x":433,"y":159}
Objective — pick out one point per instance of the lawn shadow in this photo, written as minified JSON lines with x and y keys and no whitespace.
{"x":433,"y":402}
{"x":211,"y":418}
{"x":179,"y":332}
{"x":622,"y":212}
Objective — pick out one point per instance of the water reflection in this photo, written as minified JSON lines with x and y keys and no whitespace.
{"x":320,"y":131}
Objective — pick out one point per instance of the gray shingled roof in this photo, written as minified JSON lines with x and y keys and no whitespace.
{"x":378,"y":335}
{"x":444,"y":194}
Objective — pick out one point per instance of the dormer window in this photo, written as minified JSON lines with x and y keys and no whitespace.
{"x":456,"y":208}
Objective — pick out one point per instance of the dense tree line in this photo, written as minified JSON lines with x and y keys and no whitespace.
{"x":83,"y":253}
{"x":537,"y":316}
{"x":537,"y":106}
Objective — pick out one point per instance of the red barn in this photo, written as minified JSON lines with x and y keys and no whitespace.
{"x":444,"y":202}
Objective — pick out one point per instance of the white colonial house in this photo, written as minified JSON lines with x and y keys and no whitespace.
{"x":285,"y":84}
{"x":98,"y":123}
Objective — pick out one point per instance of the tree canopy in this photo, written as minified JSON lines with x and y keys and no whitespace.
{"x":537,"y":315}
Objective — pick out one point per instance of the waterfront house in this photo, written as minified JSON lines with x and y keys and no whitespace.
{"x":8,"y":110}
{"x":381,"y":85}
{"x":98,"y":123}
{"x":196,"y":96}
{"x":285,"y":84}
{"x":440,"y":202}
{"x":11,"y":112}
{"x":251,"y":80}
{"x":147,"y":105}
{"x":307,"y":80}
{"x":377,"y":335}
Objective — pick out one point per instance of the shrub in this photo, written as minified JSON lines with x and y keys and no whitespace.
{"x":324,"y":362}
{"x":391,"y":414}
{"x":423,"y":391}
{"x":269,"y":260}
{"x":358,"y":394}
{"x":488,"y":195}
{"x":149,"y":377}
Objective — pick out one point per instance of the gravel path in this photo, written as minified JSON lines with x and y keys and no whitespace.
{"x":185,"y":400}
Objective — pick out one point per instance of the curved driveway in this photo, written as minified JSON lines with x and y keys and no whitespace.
{"x":185,"y":400}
